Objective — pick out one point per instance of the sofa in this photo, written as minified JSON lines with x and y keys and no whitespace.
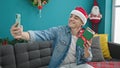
{"x":38,"y":54}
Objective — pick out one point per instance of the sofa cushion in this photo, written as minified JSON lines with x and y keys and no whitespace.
{"x":33,"y":55}
{"x":104,"y":45}
{"x":7,"y":58}
{"x":96,"y":50}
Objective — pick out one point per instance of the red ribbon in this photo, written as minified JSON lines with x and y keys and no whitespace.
{"x":82,"y":37}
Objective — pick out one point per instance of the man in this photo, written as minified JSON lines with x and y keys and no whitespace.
{"x":64,"y":41}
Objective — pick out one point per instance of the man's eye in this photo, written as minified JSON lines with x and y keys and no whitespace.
{"x":76,"y":18}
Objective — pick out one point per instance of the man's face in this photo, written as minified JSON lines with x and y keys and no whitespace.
{"x":75,"y":22}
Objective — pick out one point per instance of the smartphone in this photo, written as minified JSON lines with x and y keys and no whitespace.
{"x":18,"y":20}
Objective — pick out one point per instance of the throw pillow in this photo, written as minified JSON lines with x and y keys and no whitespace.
{"x":104,"y":45}
{"x":96,"y":49}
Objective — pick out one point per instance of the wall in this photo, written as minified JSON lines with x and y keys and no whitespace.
{"x":55,"y":13}
{"x":108,"y":19}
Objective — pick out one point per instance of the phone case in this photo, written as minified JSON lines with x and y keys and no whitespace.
{"x":18,"y":20}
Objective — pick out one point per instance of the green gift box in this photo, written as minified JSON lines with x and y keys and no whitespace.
{"x":87,"y":34}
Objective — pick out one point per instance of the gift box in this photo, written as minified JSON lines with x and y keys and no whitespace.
{"x":84,"y":36}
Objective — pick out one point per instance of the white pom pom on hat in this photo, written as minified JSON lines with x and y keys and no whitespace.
{"x":80,"y":12}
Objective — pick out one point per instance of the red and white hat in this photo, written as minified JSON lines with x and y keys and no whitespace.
{"x":80,"y":12}
{"x":95,"y":3}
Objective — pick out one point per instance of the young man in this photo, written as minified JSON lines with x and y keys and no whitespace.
{"x":65,"y":52}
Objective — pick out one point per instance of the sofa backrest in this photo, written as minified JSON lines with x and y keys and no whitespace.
{"x":33,"y":55}
{"x":114,"y":50}
{"x":7,"y":57}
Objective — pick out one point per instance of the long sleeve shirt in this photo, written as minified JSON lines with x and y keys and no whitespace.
{"x":61,"y":37}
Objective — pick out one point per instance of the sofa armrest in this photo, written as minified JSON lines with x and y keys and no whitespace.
{"x":7,"y":57}
{"x":114,"y":49}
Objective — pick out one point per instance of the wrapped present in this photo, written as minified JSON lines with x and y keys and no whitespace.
{"x":84,"y":36}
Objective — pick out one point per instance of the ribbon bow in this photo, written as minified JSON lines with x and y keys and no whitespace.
{"x":80,"y":35}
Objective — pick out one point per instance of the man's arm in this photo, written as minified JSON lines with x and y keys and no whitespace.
{"x":17,"y":33}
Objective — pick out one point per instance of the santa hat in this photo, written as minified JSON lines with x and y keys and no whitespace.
{"x":95,"y":3}
{"x":80,"y":12}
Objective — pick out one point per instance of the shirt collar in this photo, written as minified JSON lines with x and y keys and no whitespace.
{"x":68,"y":29}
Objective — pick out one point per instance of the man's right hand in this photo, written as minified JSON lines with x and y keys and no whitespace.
{"x":16,"y":31}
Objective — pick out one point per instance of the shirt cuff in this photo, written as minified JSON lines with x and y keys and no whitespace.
{"x":32,"y":36}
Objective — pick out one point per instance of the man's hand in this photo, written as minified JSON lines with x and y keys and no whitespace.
{"x":16,"y":31}
{"x":86,"y":49}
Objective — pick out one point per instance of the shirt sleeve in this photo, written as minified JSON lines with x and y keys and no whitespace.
{"x":90,"y":57}
{"x":43,"y":35}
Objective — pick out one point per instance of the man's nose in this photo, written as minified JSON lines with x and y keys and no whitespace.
{"x":71,"y":18}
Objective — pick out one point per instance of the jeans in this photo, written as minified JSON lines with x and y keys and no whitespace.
{"x":73,"y":65}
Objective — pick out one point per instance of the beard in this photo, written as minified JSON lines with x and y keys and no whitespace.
{"x":95,"y":10}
